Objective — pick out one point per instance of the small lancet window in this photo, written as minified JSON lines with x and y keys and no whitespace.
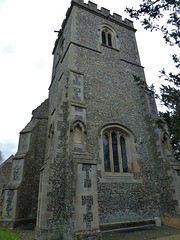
{"x":103,"y":37}
{"x":123,"y":154}
{"x":109,"y":40}
{"x":107,"y":165}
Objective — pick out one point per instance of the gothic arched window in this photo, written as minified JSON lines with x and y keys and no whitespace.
{"x":109,"y":40}
{"x":106,"y":153}
{"x":124,"y":154}
{"x":103,"y":37}
{"x":108,"y":37}
{"x":118,"y":154}
{"x":115,"y":152}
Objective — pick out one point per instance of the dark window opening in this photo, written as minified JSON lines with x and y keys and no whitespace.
{"x":123,"y":154}
{"x":107,"y":37}
{"x":106,"y":153}
{"x":103,"y":37}
{"x":109,"y":40}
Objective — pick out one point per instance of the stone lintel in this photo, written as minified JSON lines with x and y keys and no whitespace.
{"x":78,"y":104}
{"x":76,"y":71}
{"x":19,"y":156}
{"x":12,"y":186}
{"x":85,"y":161}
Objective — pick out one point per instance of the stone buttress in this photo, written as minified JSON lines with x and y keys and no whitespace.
{"x":21,"y":194}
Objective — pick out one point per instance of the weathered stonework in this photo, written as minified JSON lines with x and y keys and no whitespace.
{"x":5,"y":174}
{"x":21,"y":192}
{"x":104,"y":162}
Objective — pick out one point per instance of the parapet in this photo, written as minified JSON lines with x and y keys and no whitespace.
{"x":93,"y":8}
{"x":103,"y":11}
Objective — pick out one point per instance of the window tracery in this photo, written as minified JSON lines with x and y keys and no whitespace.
{"x":115,"y":152}
{"x":118,"y":153}
{"x":108,"y":36}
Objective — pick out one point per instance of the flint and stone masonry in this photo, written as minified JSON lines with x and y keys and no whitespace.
{"x":92,"y":156}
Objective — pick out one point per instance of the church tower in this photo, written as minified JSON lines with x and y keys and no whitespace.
{"x":102,"y":158}
{"x":105,"y":160}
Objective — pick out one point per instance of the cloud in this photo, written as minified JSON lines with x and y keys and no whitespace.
{"x":40,"y":64}
{"x":2,"y":2}
{"x":8,"y":147}
{"x":8,"y":49}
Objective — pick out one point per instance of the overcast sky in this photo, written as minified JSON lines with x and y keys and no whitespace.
{"x":26,"y":41}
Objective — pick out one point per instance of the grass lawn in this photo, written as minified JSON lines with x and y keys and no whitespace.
{"x":7,"y":234}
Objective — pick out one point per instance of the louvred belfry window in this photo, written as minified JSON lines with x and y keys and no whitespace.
{"x":106,"y":36}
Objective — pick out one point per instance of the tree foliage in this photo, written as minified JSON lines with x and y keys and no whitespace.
{"x":151,"y":11}
{"x":164,"y":16}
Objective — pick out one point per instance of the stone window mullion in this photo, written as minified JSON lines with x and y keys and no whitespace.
{"x":119,"y":153}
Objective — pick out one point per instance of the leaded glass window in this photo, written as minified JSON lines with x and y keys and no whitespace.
{"x":115,"y":152}
{"x":106,"y":153}
{"x":123,"y":154}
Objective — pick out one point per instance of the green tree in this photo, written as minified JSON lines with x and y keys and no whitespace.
{"x":164,"y":16}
